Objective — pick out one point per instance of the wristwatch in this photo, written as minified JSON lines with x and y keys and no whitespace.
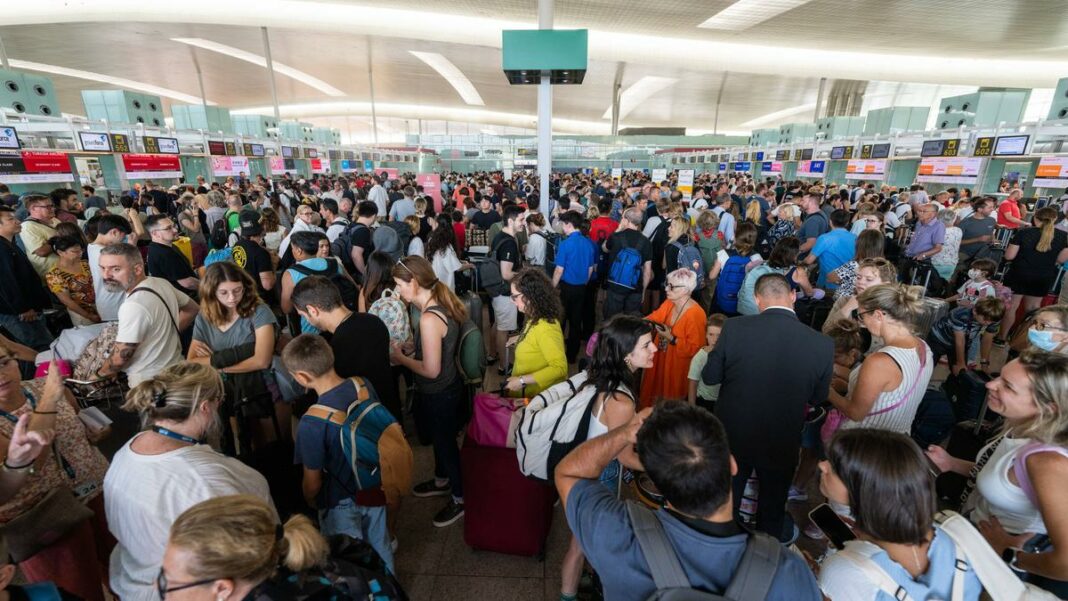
{"x":1009,"y":556}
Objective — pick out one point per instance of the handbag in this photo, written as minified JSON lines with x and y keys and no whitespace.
{"x":494,"y":420}
{"x":56,"y":514}
{"x":835,"y":417}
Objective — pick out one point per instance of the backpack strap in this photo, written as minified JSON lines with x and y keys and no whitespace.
{"x":362,"y":391}
{"x":1019,"y":465}
{"x":998,"y":580}
{"x":873,"y":572}
{"x":755,"y":572}
{"x":659,"y":554}
{"x":326,"y":414}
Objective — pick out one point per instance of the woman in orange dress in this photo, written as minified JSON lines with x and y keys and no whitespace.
{"x":680,"y":324}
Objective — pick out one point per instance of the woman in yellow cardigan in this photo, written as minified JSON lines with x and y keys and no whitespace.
{"x":539,"y":351}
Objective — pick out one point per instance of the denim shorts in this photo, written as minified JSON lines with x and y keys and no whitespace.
{"x":365,"y":523}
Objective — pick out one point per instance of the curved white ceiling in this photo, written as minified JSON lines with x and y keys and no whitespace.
{"x":604,"y":45}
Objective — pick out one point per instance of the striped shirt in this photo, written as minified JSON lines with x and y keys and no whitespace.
{"x":914,"y":380}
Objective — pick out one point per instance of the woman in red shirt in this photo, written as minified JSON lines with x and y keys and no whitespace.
{"x":602,"y":226}
{"x":1009,"y":211}
{"x":459,"y":229}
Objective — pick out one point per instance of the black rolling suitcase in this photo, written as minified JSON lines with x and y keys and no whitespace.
{"x":966,"y":439}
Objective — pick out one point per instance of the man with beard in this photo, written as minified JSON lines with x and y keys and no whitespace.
{"x":150,"y":318}
{"x":167,"y":469}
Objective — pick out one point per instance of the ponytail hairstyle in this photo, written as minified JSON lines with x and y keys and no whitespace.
{"x":903,"y":304}
{"x":1045,"y":218}
{"x":62,"y":243}
{"x":175,"y":394}
{"x":608,"y":370}
{"x":238,"y":537}
{"x":419,"y":269}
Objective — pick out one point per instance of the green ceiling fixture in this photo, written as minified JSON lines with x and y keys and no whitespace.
{"x":526,"y":53}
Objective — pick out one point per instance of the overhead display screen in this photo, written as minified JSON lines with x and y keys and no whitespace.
{"x":120,"y":143}
{"x":9,"y":138}
{"x":95,"y":142}
{"x":287,"y":152}
{"x":806,"y":154}
{"x":255,"y":150}
{"x":940,"y":148}
{"x":782,"y":155}
{"x":217,"y":148}
{"x":880,"y":151}
{"x":838,"y":153}
{"x":984,"y":147}
{"x":1011,"y":145}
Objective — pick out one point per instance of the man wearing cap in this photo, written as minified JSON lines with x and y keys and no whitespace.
{"x":250,"y":255}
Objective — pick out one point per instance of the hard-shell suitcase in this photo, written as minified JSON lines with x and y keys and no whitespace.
{"x":504,"y":511}
{"x":473,"y":302}
{"x":933,"y":310}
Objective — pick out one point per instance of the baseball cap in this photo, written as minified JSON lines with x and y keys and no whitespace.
{"x":250,"y":223}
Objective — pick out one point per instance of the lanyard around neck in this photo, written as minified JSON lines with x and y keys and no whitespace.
{"x":175,"y":435}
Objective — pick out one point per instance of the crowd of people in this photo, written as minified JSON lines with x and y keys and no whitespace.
{"x":742,"y":348}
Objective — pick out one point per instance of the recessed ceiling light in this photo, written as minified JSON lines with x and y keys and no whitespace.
{"x":744,"y":14}
{"x":256,"y":59}
{"x":452,"y":74}
{"x":121,"y":82}
{"x":638,"y":92}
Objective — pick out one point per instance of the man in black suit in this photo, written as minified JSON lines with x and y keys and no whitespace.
{"x":771,"y":367}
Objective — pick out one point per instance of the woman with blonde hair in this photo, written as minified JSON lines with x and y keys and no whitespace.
{"x":439,"y":409}
{"x":416,"y":247}
{"x":1017,"y":483}
{"x":167,"y":468}
{"x":1036,"y":253}
{"x":232,"y":548}
{"x":885,"y":391}
{"x":679,"y":236}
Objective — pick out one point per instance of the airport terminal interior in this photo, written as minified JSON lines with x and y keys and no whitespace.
{"x":534,"y":300}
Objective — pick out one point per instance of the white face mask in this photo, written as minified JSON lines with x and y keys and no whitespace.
{"x":973,"y":274}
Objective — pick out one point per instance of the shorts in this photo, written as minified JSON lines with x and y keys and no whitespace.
{"x":365,"y":523}
{"x":505,"y":313}
{"x":1026,"y":284}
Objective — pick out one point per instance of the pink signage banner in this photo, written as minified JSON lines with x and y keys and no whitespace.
{"x":431,"y":183}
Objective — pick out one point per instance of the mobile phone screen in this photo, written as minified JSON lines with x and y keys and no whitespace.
{"x":828,"y":521}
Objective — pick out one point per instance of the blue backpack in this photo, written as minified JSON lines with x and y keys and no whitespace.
{"x":626,"y":269}
{"x":730,"y":282}
{"x":359,"y":428}
{"x":690,"y":257}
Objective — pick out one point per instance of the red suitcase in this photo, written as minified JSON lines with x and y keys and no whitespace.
{"x":504,"y":511}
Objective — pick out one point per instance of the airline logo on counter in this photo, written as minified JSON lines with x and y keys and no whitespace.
{"x":865,"y":169}
{"x":1052,"y":172}
{"x":229,"y":166}
{"x":811,"y":168}
{"x":32,"y":167}
{"x":771,"y":167}
{"x":9,"y":138}
{"x":151,"y":166}
{"x":949,"y":170}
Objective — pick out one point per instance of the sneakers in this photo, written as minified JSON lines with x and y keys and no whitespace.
{"x":430,"y":488}
{"x":449,"y":514}
{"x":796,"y":495}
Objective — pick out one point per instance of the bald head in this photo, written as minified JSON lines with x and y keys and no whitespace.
{"x":773,"y":289}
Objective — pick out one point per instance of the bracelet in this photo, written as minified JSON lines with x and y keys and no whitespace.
{"x":36,"y":412}
{"x":16,"y":468}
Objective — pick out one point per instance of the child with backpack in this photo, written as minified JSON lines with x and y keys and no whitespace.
{"x":355,"y":457}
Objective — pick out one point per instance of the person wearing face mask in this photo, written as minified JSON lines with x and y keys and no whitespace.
{"x":1016,"y":487}
{"x":167,"y":468}
{"x":1048,"y":331}
{"x":870,"y":272}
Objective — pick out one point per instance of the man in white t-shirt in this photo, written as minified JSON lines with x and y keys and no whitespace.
{"x":150,"y":318}
{"x":110,"y":229}
{"x":379,"y":196}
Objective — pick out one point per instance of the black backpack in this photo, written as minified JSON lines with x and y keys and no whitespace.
{"x":219,"y":237}
{"x":552,"y":241}
{"x":751,"y":581}
{"x":344,"y":285}
{"x":342,"y":246}
{"x":353,"y":571}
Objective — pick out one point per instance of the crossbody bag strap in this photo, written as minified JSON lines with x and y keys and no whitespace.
{"x":659,"y":554}
{"x":875,"y":574}
{"x":166,"y":307}
{"x":922,"y":350}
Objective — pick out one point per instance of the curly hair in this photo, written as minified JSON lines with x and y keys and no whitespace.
{"x":541,"y":299}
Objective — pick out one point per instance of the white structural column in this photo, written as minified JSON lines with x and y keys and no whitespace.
{"x":270,"y":72}
{"x":371,"y":86}
{"x":545,"y":114}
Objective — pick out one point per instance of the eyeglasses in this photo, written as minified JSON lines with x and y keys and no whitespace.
{"x":1042,"y":326}
{"x":856,"y":315}
{"x":161,"y":584}
{"x":673,"y":286}
{"x":516,"y":296}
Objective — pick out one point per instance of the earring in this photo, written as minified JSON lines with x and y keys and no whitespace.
{"x":627,"y":361}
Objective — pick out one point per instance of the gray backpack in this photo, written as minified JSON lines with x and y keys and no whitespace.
{"x":752,"y":579}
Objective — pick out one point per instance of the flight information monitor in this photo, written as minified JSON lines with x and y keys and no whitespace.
{"x":1011,"y":145}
